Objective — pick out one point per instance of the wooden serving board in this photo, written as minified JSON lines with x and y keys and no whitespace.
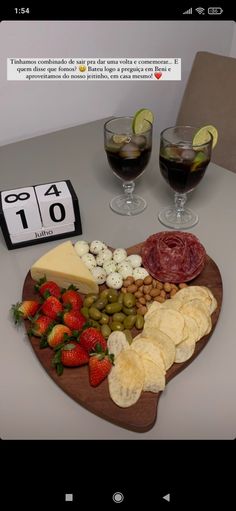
{"x":142,"y":415}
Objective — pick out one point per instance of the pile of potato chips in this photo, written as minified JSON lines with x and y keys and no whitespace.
{"x":170,"y":333}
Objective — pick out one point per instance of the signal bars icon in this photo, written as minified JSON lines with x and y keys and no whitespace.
{"x":189,"y":11}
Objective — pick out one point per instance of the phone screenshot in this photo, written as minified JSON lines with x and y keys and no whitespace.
{"x":117,"y":245}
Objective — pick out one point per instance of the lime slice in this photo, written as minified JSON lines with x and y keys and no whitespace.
{"x":140,"y":122}
{"x":119,"y":139}
{"x":202,"y":136}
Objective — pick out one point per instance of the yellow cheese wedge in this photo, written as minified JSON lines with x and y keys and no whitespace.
{"x":63,"y":265}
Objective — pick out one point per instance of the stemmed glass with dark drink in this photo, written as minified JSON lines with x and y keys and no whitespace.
{"x":128,"y":154}
{"x":183,"y":165}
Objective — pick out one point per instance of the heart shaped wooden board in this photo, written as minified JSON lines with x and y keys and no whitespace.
{"x":75,"y":382}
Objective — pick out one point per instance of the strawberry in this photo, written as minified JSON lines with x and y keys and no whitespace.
{"x":100,"y":364}
{"x":40,"y":326}
{"x":47,"y":288}
{"x":74,"y":320}
{"x":73,"y":355}
{"x":69,"y":354}
{"x":52,"y":307}
{"x":90,"y":337}
{"x":24,"y":310}
{"x":72,"y":300}
{"x":58,"y":334}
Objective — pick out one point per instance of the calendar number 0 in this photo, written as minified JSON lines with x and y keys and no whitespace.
{"x":61,"y":210}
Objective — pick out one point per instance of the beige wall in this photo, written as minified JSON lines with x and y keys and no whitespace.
{"x":29,"y":109}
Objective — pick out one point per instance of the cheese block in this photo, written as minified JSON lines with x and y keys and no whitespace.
{"x":63,"y":265}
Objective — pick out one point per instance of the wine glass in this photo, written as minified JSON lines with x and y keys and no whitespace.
{"x":128,"y":155}
{"x":182,"y":165}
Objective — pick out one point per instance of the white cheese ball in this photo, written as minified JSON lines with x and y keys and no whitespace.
{"x":109,"y":266}
{"x":135,"y":260}
{"x":140,"y":273}
{"x":114,"y":280}
{"x":125,"y":269}
{"x":96,"y":246}
{"x":89,"y":261}
{"x":104,"y":255}
{"x":119,"y":255}
{"x":99,"y":275}
{"x":81,"y":248}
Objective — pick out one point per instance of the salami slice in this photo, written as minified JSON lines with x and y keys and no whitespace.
{"x":173,"y":256}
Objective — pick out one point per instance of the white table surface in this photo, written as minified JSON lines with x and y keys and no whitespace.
{"x":200,"y":402}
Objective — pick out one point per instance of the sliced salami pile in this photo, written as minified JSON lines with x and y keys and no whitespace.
{"x":173,"y":256}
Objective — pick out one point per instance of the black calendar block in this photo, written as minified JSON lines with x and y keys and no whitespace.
{"x":39,"y":213}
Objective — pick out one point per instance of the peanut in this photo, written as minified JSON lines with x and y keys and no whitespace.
{"x":167,"y":287}
{"x":163,"y":293}
{"x":127,"y":282}
{"x":147,"y":289}
{"x":124,"y":290}
{"x":148,"y":298}
{"x":138,"y":294}
{"x":173,"y":292}
{"x":182,"y":285}
{"x":132,"y":288}
{"x":159,"y":299}
{"x":154,"y":292}
{"x":148,"y":280}
{"x":142,"y":300}
{"x":139,"y":282}
{"x":142,"y":310}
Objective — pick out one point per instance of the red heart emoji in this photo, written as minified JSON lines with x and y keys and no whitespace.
{"x":158,"y":75}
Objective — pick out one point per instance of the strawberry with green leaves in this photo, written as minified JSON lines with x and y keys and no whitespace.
{"x":90,"y":337}
{"x":40,"y":325}
{"x":69,"y":354}
{"x":72,"y":299}
{"x":58,"y":334}
{"x":24,"y":310}
{"x":52,"y":307}
{"x":100,"y":364}
{"x":47,"y":288}
{"x":74,"y":320}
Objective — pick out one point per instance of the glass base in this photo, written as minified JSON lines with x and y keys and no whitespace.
{"x":178,"y":220}
{"x":123,"y":205}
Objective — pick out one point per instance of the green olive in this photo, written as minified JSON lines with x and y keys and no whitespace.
{"x":85,"y":312}
{"x":104,"y":293}
{"x":104,"y":319}
{"x":95,"y":313}
{"x":115,"y":325}
{"x":105,"y":329}
{"x":118,"y":316}
{"x":112,"y":295}
{"x":128,"y":311}
{"x":121,"y":297}
{"x":95,"y":324}
{"x":129,"y":321}
{"x":139,"y":322}
{"x":100,"y":303}
{"x":88,"y":301}
{"x":111,"y":308}
{"x":128,"y":336}
{"x":129,"y":300}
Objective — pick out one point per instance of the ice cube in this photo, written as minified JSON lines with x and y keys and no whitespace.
{"x":188,"y":154}
{"x":171,"y":153}
{"x":129,"y":151}
{"x":139,"y":140}
{"x":113,"y":147}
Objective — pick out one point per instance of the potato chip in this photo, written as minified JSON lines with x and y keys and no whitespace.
{"x":152,"y":309}
{"x":191,"y":329}
{"x":213,"y":305}
{"x":126,"y":378}
{"x":154,"y":378}
{"x":203,"y":321}
{"x":184,"y":350}
{"x":194,"y":292}
{"x":163,"y":341}
{"x":117,"y":342}
{"x":169,"y":321}
{"x":148,"y":350}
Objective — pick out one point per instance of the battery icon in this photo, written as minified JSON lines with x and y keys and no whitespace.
{"x":214,"y":10}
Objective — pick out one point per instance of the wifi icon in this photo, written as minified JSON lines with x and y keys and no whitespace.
{"x":200,"y":10}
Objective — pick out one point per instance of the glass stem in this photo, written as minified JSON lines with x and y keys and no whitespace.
{"x":128,"y":187}
{"x":180,"y":200}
